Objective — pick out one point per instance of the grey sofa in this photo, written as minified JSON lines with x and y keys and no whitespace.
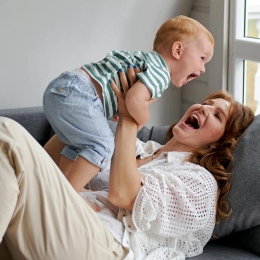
{"x":236,"y":238}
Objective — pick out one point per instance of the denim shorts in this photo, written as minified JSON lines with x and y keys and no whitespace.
{"x":76,"y":114}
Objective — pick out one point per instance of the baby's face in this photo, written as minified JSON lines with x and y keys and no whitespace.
{"x":196,"y":53}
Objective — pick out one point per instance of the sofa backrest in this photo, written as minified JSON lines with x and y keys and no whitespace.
{"x":33,"y":120}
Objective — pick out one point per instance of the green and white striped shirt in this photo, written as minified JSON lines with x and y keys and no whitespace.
{"x":154,"y":74}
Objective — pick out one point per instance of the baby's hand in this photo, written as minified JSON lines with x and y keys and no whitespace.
{"x":116,"y":118}
{"x":85,"y":190}
{"x":93,"y":206}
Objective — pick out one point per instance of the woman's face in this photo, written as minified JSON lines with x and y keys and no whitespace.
{"x":202,"y":125}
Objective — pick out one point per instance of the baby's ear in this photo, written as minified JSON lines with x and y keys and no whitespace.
{"x":177,"y":49}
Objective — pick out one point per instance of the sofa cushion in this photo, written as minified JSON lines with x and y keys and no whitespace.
{"x":222,"y":250}
{"x":248,"y":239}
{"x":244,"y":196}
{"x":156,"y":133}
{"x":32,"y":119}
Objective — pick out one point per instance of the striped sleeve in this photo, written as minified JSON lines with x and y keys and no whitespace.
{"x":155,"y":74}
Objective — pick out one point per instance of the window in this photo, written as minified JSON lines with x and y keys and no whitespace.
{"x":244,"y":52}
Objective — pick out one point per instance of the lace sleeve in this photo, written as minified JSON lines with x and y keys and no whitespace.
{"x":146,"y":149}
{"x":172,"y":204}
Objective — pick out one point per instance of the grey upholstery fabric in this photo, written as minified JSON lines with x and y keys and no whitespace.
{"x":244,"y":196}
{"x":248,"y":239}
{"x":33,"y":119}
{"x":217,"y":250}
{"x":156,"y":133}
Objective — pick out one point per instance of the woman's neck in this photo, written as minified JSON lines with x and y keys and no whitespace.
{"x":172,"y":145}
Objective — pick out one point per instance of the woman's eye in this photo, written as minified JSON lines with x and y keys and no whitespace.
{"x":218,"y":117}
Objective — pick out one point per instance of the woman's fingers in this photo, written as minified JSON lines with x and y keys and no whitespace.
{"x":116,"y":90}
{"x":120,"y":97}
{"x":136,"y":69}
{"x":123,"y":81}
{"x":132,"y":71}
{"x":126,"y":82}
{"x":131,"y":75}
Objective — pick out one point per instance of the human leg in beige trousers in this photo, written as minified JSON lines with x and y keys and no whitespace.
{"x":41,"y":215}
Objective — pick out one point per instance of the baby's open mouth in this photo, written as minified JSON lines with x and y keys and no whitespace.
{"x":193,"y":121}
{"x":192,"y":76}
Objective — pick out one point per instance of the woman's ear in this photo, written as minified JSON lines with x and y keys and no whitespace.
{"x":177,"y":49}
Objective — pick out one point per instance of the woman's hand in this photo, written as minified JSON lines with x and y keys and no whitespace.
{"x":122,"y":109}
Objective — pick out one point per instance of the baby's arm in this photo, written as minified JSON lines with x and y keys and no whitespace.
{"x":138,"y":99}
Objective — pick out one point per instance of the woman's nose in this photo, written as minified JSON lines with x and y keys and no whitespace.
{"x":204,"y":110}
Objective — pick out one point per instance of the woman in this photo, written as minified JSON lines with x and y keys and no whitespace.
{"x":167,"y":200}
{"x":178,"y":210}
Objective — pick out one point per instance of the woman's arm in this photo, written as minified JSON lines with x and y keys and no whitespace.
{"x":125,"y":181}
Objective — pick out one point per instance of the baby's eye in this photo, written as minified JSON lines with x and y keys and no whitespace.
{"x":202,"y":58}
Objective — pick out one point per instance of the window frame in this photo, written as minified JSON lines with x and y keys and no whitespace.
{"x":218,"y":26}
{"x":240,"y":48}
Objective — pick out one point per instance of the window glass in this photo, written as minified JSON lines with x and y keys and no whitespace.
{"x":252,"y":85}
{"x":251,"y":68}
{"x":252,"y":26}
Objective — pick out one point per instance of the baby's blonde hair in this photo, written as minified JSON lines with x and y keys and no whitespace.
{"x":179,"y":28}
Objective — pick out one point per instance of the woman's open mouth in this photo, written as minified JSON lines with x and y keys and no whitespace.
{"x":193,"y":121}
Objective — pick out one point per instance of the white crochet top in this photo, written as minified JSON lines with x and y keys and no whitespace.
{"x":174,"y":212}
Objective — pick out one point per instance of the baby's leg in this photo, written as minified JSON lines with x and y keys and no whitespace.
{"x":54,"y":147}
{"x":42,"y":216}
{"x":76,"y":114}
{"x":75,"y":171}
{"x":78,"y":172}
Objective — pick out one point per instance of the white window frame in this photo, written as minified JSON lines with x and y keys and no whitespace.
{"x":240,"y":48}
{"x":218,"y":26}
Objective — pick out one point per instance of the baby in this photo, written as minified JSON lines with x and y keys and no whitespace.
{"x":78,"y":103}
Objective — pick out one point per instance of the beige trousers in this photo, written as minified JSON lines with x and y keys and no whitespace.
{"x":41,"y":216}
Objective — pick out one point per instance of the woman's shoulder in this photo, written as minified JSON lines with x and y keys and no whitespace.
{"x":191,"y":171}
{"x":146,"y":149}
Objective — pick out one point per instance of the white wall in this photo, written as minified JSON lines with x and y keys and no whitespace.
{"x":197,"y":89}
{"x":213,"y":14}
{"x":41,"y":39}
